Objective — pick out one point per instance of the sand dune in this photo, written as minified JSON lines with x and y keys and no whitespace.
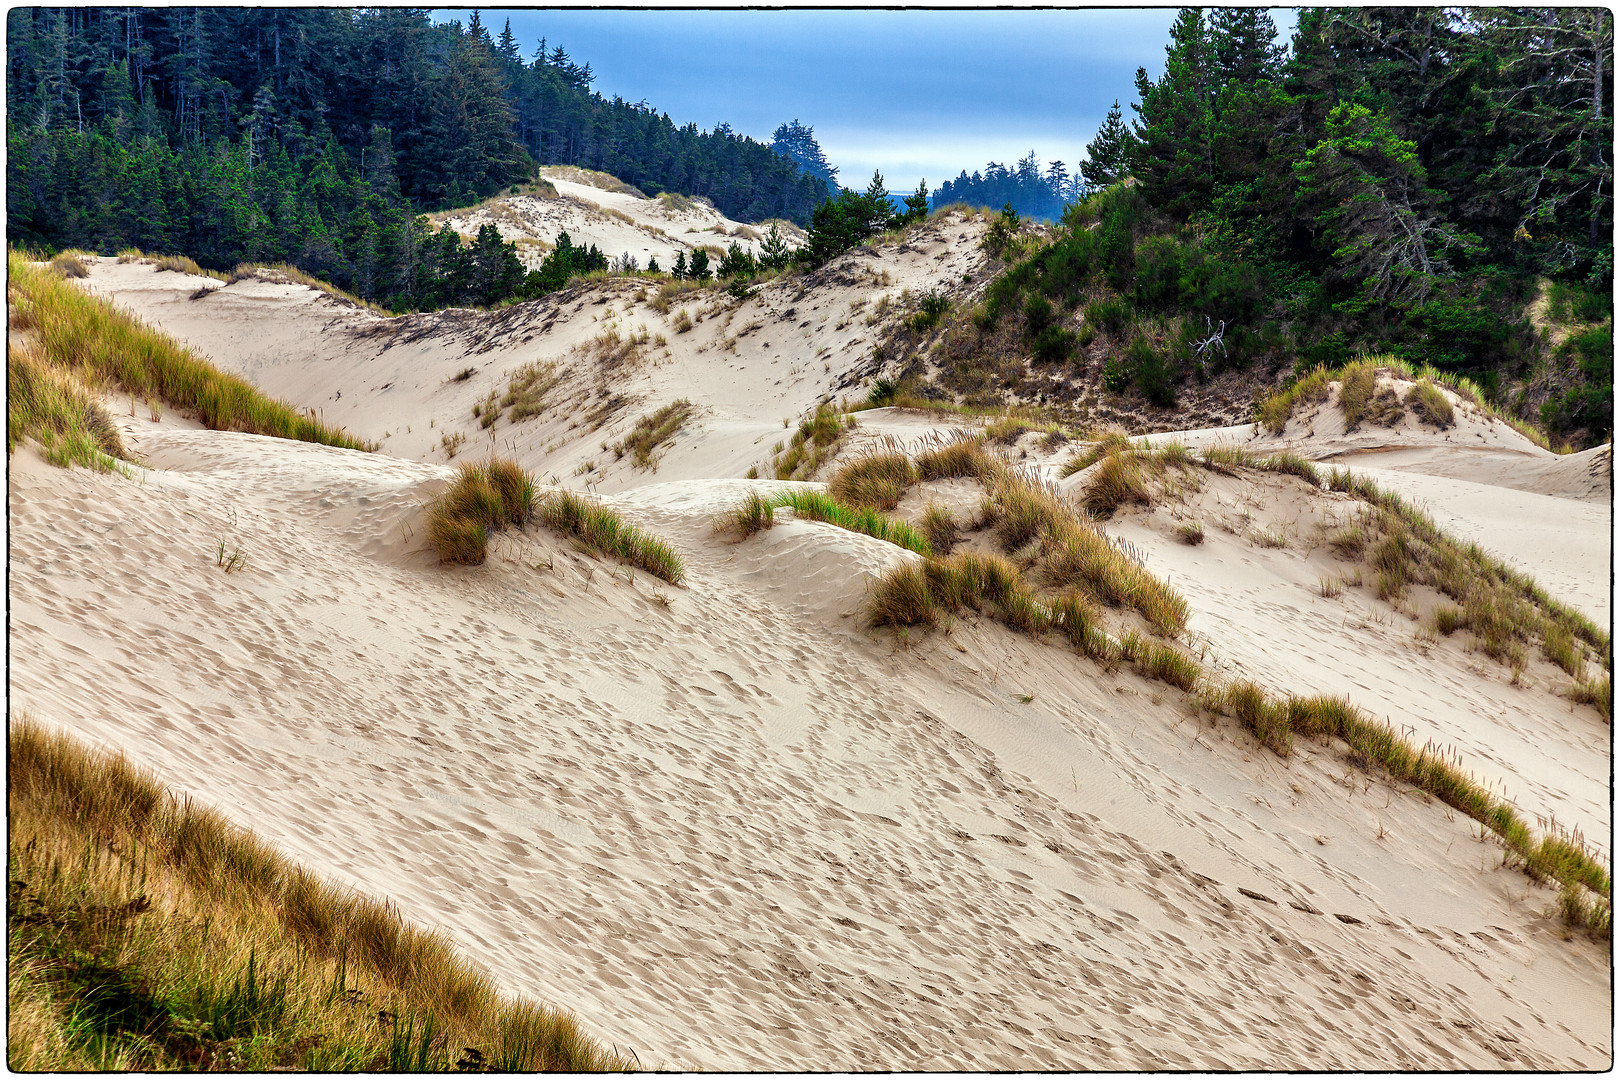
{"x":733,"y":828}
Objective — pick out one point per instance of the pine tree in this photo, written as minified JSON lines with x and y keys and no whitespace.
{"x":1108,"y":155}
{"x":1171,"y":153}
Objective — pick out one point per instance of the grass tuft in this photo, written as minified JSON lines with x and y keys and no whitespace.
{"x":50,"y":405}
{"x":876,"y":478}
{"x":939,"y":526}
{"x":821,"y":506}
{"x":960,"y":456}
{"x":754,"y":514}
{"x":604,"y":531}
{"x":1117,"y":481}
{"x":1429,"y":404}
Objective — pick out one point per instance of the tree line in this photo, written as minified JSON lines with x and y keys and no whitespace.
{"x":319,"y":135}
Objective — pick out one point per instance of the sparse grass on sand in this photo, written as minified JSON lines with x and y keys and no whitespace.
{"x":815,"y":443}
{"x":296,"y":276}
{"x":1276,"y":721}
{"x":185,"y":264}
{"x":526,"y":390}
{"x":1428,"y":404}
{"x":485,"y":496}
{"x":149,"y":934}
{"x":1505,"y":609}
{"x":602,"y":531}
{"x":651,"y":431}
{"x":97,"y":344}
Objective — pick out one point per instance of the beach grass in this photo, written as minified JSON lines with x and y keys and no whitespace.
{"x":148,"y":933}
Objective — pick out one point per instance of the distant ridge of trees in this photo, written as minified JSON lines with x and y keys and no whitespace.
{"x":317,"y":136}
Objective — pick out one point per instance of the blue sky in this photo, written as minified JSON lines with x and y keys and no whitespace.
{"x":917,"y":94}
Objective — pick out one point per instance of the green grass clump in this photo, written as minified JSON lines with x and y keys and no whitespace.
{"x":602,"y":531}
{"x":1428,"y":404}
{"x":877,"y":478}
{"x":99,"y":344}
{"x":483,"y":497}
{"x":754,"y":514}
{"x":1075,"y":615}
{"x":147,"y":933}
{"x":820,"y":506}
{"x":651,"y":431}
{"x":49,"y":405}
{"x":1191,"y":532}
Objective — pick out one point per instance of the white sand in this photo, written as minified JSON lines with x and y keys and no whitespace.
{"x":741,"y":831}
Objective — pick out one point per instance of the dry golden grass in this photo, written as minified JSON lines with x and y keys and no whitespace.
{"x":112,"y":875}
{"x":1429,"y":405}
{"x":1117,"y":481}
{"x":1503,"y":608}
{"x":651,"y":431}
{"x":526,"y":390}
{"x":1276,"y":721}
{"x":876,"y":478}
{"x":71,"y":264}
{"x":960,"y":455}
{"x":98,"y":344}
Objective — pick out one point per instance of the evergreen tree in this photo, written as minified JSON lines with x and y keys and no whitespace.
{"x":1171,"y":152}
{"x":1108,"y":155}
{"x":798,"y":144}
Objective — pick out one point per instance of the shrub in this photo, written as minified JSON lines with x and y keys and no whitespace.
{"x":1053,"y":345}
{"x":1110,"y":315}
{"x":932,"y":308}
{"x":1153,"y":371}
